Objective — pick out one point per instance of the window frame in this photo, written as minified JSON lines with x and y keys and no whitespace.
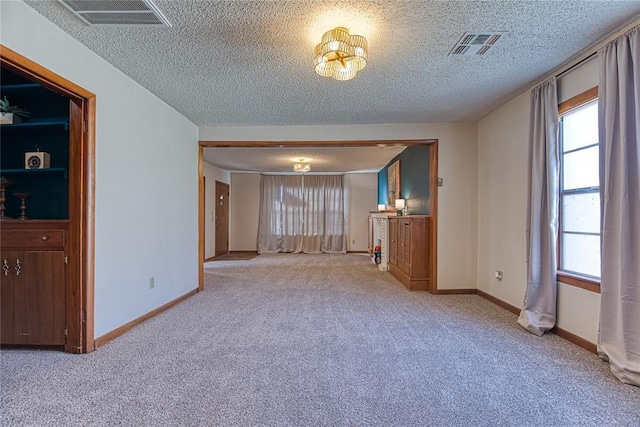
{"x":572,"y":279}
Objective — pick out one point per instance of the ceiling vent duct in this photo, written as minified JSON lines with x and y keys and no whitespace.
{"x":475,"y":43}
{"x":136,"y":13}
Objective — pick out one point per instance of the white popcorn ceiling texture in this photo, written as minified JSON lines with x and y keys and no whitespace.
{"x":240,"y":63}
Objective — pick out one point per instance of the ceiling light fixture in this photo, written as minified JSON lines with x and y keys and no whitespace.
{"x":340,"y":55}
{"x":301,"y":167}
{"x":302,"y":164}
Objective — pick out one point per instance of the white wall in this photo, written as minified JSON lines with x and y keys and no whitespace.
{"x":360,"y":197}
{"x":244,"y":211}
{"x":502,"y":202}
{"x":146,"y":175}
{"x":457,"y":213}
{"x":212,"y":174}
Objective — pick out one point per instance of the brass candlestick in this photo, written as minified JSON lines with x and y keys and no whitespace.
{"x":22,"y":195}
{"x":4,"y":183}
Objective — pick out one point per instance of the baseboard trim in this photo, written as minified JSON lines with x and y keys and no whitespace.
{"x":456,"y":292}
{"x":104,"y":339}
{"x":357,"y":252}
{"x":572,"y":338}
{"x":499,"y":302}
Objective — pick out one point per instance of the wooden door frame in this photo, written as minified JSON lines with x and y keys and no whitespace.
{"x":433,"y":186}
{"x":79,"y":295}
{"x":215,"y":243}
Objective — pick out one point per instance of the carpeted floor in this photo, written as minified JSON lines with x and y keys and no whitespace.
{"x":310,"y":340}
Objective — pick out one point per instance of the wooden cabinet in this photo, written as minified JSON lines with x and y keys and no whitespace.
{"x":33,"y":286}
{"x":409,"y":258}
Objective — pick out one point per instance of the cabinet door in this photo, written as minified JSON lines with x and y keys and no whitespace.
{"x":405,"y":251}
{"x":39,"y":303}
{"x":393,"y":241}
{"x":7,"y":286}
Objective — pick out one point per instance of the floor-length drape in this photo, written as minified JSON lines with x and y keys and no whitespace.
{"x":301,"y":214}
{"x":538,"y":314}
{"x":619,"y":116}
{"x":323,"y":214}
{"x":280,"y":223}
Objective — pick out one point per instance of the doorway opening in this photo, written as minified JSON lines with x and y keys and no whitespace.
{"x":432,"y":179}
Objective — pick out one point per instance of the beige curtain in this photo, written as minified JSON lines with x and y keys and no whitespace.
{"x":619,"y":116}
{"x":538,"y":313}
{"x":301,"y":214}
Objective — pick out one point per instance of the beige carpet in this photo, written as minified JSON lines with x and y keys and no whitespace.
{"x":318,"y":340}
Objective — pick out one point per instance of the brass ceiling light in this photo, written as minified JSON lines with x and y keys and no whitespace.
{"x":303,"y":165}
{"x":340,"y":55}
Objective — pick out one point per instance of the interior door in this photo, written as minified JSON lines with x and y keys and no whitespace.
{"x":222,"y":218}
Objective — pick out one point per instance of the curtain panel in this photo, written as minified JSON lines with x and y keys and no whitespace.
{"x":619,"y":133}
{"x":301,"y":214}
{"x":538,"y":313}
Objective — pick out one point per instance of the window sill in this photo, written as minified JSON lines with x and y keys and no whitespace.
{"x":592,"y":285}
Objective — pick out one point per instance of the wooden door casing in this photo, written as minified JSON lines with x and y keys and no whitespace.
{"x":222,"y":218}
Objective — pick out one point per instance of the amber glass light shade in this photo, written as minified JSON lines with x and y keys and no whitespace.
{"x":340,"y":55}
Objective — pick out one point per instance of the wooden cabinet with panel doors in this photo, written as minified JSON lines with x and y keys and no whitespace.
{"x":408,"y":250}
{"x":32,"y":290}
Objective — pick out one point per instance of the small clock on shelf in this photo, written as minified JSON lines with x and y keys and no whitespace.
{"x":36,"y":160}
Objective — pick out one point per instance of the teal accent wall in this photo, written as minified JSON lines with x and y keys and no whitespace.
{"x":414,"y":179}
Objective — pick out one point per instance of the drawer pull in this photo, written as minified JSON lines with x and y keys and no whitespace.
{"x":45,"y":238}
{"x":5,"y":267}
{"x":18,"y":267}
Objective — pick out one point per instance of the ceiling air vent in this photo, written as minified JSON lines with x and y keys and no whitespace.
{"x":117,"y":12}
{"x":475,"y":43}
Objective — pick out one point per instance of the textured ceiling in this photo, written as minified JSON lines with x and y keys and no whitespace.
{"x":235,"y":63}
{"x":323,"y":160}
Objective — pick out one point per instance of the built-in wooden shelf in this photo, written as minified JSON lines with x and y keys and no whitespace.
{"x":34,"y":171}
{"x":40,"y":122}
{"x":20,"y":86}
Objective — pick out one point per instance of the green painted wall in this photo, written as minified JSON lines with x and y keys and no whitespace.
{"x":414,"y":179}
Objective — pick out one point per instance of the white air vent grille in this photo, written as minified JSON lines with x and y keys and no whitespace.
{"x":117,"y":12}
{"x":475,"y":43}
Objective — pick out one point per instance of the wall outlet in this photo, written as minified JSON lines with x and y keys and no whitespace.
{"x":353,"y":242}
{"x":499,"y":275}
{"x":152,"y":282}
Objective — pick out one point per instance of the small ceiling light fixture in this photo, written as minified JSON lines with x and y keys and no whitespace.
{"x":302,"y":165}
{"x":340,"y":55}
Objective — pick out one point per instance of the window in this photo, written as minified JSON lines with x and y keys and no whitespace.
{"x":579,"y":233}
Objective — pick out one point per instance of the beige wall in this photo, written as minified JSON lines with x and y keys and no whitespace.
{"x":502,"y":202}
{"x":457,"y":227}
{"x":361,"y":195}
{"x":211,"y":174}
{"x":245,"y":203}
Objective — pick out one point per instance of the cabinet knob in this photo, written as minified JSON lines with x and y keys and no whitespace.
{"x":45,"y":238}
